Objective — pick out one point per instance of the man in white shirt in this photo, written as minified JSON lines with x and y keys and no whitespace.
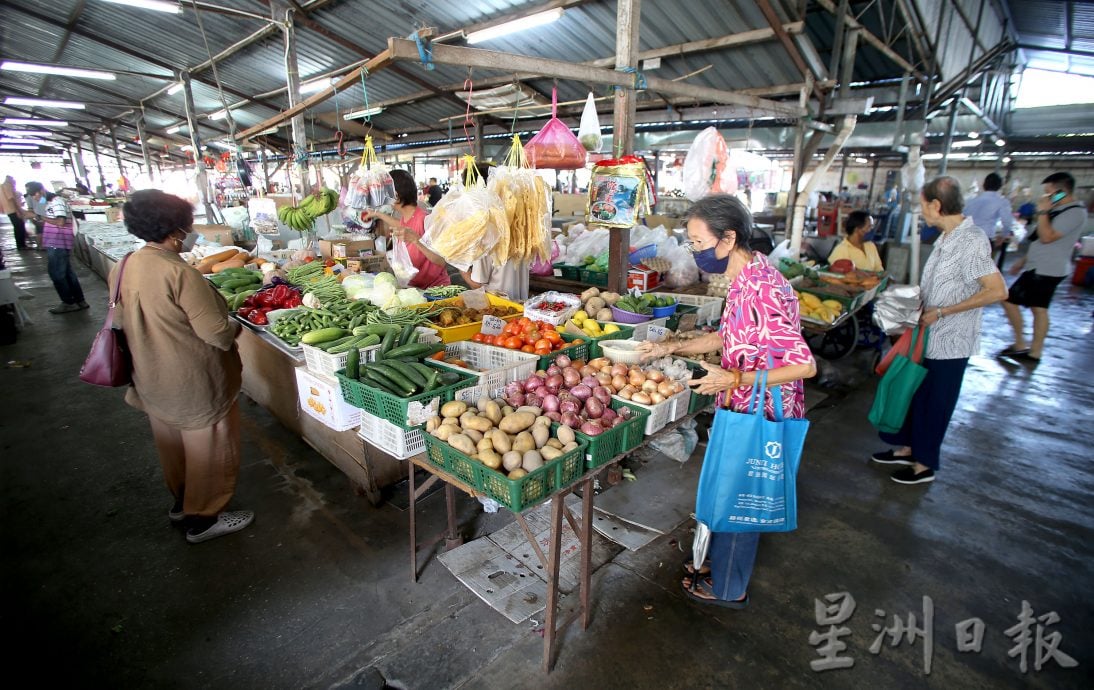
{"x":988,"y":210}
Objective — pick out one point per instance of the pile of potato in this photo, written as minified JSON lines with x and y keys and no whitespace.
{"x":596,"y":304}
{"x":512,"y":441}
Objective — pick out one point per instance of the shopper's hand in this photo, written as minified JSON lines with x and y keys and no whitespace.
{"x":929,"y":317}
{"x":406,"y":235}
{"x":651,"y":350}
{"x":1044,"y":203}
{"x":716,"y":381}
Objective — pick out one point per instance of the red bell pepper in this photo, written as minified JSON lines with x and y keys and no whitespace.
{"x":258,"y":318}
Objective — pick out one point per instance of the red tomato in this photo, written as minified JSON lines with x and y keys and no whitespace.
{"x":528,"y":348}
{"x":512,"y":328}
{"x":543,"y":343}
{"x":478,"y":338}
{"x":523,"y":321}
{"x":490,"y":339}
{"x":544,"y":326}
{"x":513,"y":342}
{"x":542,"y":350}
{"x":552,"y":336}
{"x":532,"y":335}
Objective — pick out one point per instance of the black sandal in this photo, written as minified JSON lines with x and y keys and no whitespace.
{"x":1011,"y":351}
{"x":702,"y":591}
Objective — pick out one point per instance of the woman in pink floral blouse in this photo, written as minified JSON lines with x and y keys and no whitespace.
{"x":760,"y":329}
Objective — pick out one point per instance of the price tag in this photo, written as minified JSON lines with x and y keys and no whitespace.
{"x":492,"y":325}
{"x":656,"y":333}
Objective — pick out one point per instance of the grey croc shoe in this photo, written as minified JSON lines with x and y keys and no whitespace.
{"x":226,"y":523}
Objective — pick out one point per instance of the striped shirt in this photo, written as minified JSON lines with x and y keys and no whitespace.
{"x":57,"y":232}
{"x":958,"y":261}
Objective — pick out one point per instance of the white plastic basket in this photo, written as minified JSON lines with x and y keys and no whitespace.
{"x":663,"y":412}
{"x":553,"y":318}
{"x":385,"y":436}
{"x":499,"y":366}
{"x":324,"y":363}
{"x":710,"y":308}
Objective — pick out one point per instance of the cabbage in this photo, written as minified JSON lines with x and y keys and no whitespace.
{"x":353,"y":285}
{"x":411,"y":296}
{"x":393,"y":305}
{"x":383,"y":292}
{"x":382,"y":278}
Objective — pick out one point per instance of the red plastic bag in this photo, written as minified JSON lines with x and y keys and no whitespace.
{"x":902,"y":346}
{"x":555,"y":146}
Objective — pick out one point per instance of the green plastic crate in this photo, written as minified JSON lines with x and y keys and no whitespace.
{"x":573,"y":351}
{"x":392,"y":408}
{"x":568,"y":272}
{"x":515,"y":494}
{"x":597,"y":278}
{"x":624,"y":333}
{"x":681,"y":309}
{"x":698,"y":401}
{"x":619,"y":439}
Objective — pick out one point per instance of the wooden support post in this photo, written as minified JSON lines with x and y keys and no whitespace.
{"x":117,"y":152}
{"x":98,"y":164}
{"x":628,"y":17}
{"x":195,"y":142}
{"x":142,"y":135}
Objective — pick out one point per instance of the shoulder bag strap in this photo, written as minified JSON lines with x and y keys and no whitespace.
{"x":116,"y":298}
{"x":919,"y":345}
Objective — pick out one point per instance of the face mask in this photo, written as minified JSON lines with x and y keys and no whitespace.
{"x":1057,"y":197}
{"x":189,"y":241}
{"x":709,"y":262}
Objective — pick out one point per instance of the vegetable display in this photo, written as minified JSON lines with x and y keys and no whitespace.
{"x":444,"y":291}
{"x":644,"y":304}
{"x":398,"y":369}
{"x":458,"y":314}
{"x":511,"y":440}
{"x":537,"y":337}
{"x":527,"y":203}
{"x":255,"y":307}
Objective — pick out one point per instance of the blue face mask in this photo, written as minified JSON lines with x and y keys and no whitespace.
{"x":708,"y":261}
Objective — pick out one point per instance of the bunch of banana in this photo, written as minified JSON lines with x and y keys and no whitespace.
{"x":320,"y":203}
{"x":296,"y":217}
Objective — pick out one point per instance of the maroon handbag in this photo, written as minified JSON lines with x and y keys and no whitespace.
{"x":109,"y":364}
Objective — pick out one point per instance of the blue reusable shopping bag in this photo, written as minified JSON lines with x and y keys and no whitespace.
{"x":750,"y":470}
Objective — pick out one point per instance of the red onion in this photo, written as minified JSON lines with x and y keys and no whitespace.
{"x":594,"y":408}
{"x":581,"y":392}
{"x":571,"y":420}
{"x":554,"y":383}
{"x":531,"y":384}
{"x":541,"y":373}
{"x":555,"y":416}
{"x":570,"y":405}
{"x":514,"y":388}
{"x":624,"y":412}
{"x":533,"y":400}
{"x":603,"y":394}
{"x":590,"y":381}
{"x":571,"y":376}
{"x":608,"y":416}
{"x":614,"y":423}
{"x":591,"y":429}
{"x":589,"y":370}
{"x":553,"y":370}
{"x":562,"y":361}
{"x":515,"y":400}
{"x":549,"y":403}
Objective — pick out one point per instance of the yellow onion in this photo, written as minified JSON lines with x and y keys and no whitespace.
{"x":677,"y":387}
{"x":626,"y":392}
{"x":619,"y":370}
{"x":636,"y":378}
{"x":656,"y":397}
{"x":666,"y":389}
{"x":649,"y":386}
{"x":655,"y":375}
{"x":641,"y":398}
{"x":619,"y":382}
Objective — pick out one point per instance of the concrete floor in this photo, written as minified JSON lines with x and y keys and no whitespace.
{"x":100,"y":590}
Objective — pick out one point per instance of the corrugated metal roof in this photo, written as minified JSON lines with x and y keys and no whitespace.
{"x":1050,"y":25}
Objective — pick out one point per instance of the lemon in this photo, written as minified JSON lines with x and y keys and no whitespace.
{"x":611,"y":328}
{"x":580,"y":317}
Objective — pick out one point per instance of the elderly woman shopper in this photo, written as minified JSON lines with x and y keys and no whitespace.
{"x":186,"y":368}
{"x":407,"y":226}
{"x":855,"y":247}
{"x":760,"y":329}
{"x":959,"y":280}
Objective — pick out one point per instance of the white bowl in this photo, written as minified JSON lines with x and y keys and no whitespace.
{"x":621,"y":351}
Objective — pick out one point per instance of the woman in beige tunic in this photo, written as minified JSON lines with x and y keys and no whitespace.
{"x":186,"y":367}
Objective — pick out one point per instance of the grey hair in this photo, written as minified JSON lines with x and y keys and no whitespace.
{"x":947,"y":191}
{"x":724,"y":213}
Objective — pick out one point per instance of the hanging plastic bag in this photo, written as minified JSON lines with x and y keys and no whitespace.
{"x":399,"y":260}
{"x":540,"y":267}
{"x":467,"y":222}
{"x":706,"y":167}
{"x":555,"y":146}
{"x":684,"y":271}
{"x":527,"y":201}
{"x":589,"y":131}
{"x":371,"y":186}
{"x":618,"y":192}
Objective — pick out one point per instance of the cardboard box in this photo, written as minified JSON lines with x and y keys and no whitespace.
{"x":321,"y":397}
{"x":221,"y":234}
{"x":643,"y":278}
{"x":570,"y":204}
{"x":347,"y":248}
{"x":368,"y":264}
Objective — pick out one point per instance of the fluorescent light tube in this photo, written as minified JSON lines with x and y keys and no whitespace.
{"x":532,"y":20}
{"x":362,"y":113}
{"x":17,"y":147}
{"x":34,"y":121}
{"x":54,"y":69}
{"x":219,"y":115}
{"x":21,"y":140}
{"x":271,"y":130}
{"x":175,"y":88}
{"x":315,"y":85}
{"x":1000,"y":142}
{"x":25,"y":133}
{"x":173,"y":130}
{"x":157,"y":5}
{"x":43,"y":103}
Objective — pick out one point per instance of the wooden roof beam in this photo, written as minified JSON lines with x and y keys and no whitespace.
{"x":876,"y":42}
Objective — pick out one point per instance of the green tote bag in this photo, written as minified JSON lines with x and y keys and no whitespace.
{"x":898,"y":386}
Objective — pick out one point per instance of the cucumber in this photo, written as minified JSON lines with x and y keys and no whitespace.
{"x":323,"y":335}
{"x":374,"y":373}
{"x":408,"y":370}
{"x":393,"y":372}
{"x":326,"y":346}
{"x":380,"y":329}
{"x":418,"y":350}
{"x":432,"y":381}
{"x":449,"y":377}
{"x":350,"y":344}
{"x":371,"y":378}
{"x":404,"y":337}
{"x":427,"y":373}
{"x":386,"y":344}
{"x":353,"y":363}
{"x":237,"y":283}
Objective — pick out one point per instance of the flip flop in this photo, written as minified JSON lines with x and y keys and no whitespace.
{"x":706,"y":586}
{"x":1011,"y":351}
{"x":1027,"y":357}
{"x":689,"y":568}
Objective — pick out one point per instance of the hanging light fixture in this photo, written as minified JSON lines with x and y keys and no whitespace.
{"x":43,"y":103}
{"x":55,"y":69}
{"x":521,"y":24}
{"x":157,"y":5}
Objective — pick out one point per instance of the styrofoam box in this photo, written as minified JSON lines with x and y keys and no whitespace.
{"x":388,"y":438}
{"x":320,"y":396}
